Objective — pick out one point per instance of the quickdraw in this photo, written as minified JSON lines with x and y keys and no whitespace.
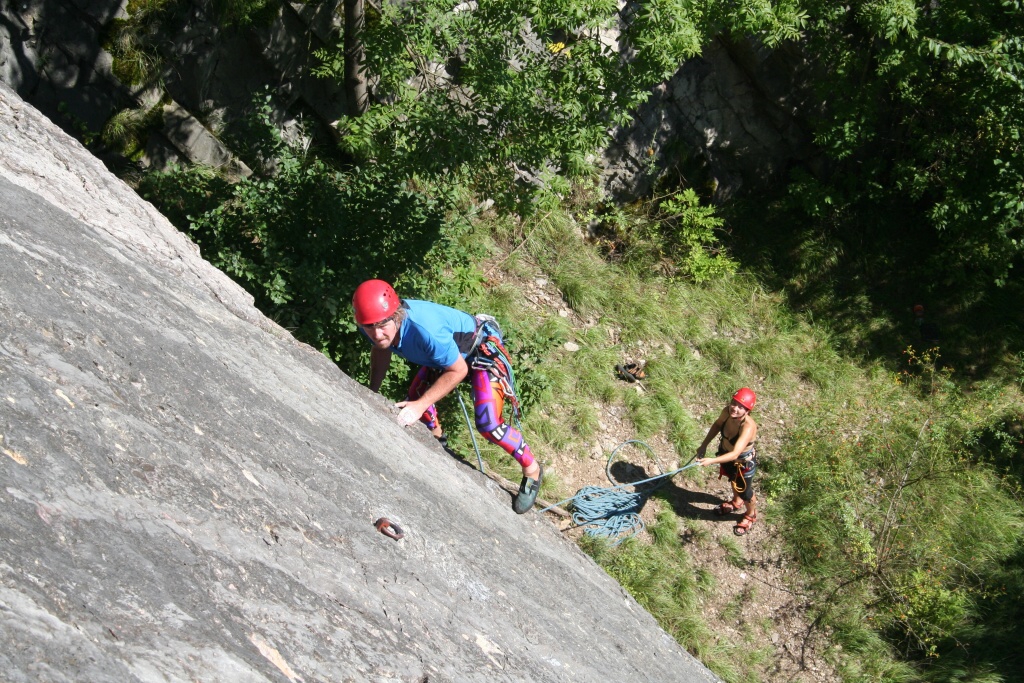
{"x":490,"y":355}
{"x":744,"y":466}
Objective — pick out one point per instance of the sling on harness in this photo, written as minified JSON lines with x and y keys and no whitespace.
{"x":744,"y":465}
{"x":489,"y":354}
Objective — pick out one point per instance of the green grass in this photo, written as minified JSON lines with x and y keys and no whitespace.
{"x":848,"y":423}
{"x":661,"y":577}
{"x":734,"y":552}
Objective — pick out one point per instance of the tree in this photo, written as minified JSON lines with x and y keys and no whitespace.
{"x":926,"y":155}
{"x":355,"y":74}
{"x":509,"y":95}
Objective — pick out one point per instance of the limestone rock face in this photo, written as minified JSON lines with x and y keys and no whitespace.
{"x":729,"y":121}
{"x":51,"y":53}
{"x":731,"y":118}
{"x":189,"y":494}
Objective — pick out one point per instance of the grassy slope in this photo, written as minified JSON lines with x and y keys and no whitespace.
{"x":882,"y":468}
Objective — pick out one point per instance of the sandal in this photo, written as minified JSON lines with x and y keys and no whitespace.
{"x":631,"y":372}
{"x":528,"y":490}
{"x":727,"y":508}
{"x":744,"y":525}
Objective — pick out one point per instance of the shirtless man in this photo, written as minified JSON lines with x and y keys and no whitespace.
{"x":736,"y":458}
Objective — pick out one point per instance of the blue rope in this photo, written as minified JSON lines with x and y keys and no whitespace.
{"x":612,"y":513}
{"x":512,"y":383}
{"x":608,"y":513}
{"x":472,"y":432}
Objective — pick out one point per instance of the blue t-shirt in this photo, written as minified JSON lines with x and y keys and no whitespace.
{"x":433,"y":335}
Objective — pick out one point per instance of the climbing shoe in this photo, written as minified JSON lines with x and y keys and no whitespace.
{"x":443,"y":440}
{"x":527,"y":495}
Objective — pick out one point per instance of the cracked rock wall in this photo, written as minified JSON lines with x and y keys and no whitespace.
{"x":731,"y":121}
{"x":188,"y":493}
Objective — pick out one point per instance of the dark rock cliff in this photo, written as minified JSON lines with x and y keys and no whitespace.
{"x":188,"y":493}
{"x":730,"y":121}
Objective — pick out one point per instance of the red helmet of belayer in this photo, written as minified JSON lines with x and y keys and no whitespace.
{"x":373,"y":301}
{"x":746,"y":398}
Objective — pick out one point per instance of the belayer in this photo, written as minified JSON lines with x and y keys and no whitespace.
{"x":737,"y":457}
{"x":448,"y":345}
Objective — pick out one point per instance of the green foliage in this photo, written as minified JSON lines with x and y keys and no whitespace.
{"x":677,"y":237}
{"x":506,"y":96}
{"x":927,"y":156}
{"x":913,"y":193}
{"x":695,"y":245}
{"x":134,"y":42}
{"x":85,"y":134}
{"x":183,"y":193}
{"x":133,"y":63}
{"x":126,"y":130}
{"x":674,"y":236}
{"x":888,"y":506}
{"x":244,"y":12}
{"x":137,"y":42}
{"x":301,"y":240}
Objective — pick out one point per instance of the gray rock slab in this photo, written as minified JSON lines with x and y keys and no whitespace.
{"x":187,"y":493}
{"x":736,"y":112}
{"x":197,"y":144}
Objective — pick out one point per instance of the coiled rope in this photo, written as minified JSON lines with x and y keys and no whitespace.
{"x":614,"y":513}
{"x":608,"y":513}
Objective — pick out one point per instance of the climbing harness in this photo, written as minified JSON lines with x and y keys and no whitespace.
{"x":489,"y":354}
{"x":744,"y":465}
{"x":613,"y":513}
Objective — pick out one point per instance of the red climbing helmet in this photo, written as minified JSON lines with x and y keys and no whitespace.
{"x":374,"y":301}
{"x":746,"y":398}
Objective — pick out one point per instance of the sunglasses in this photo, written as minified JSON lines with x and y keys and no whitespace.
{"x":377,"y":325}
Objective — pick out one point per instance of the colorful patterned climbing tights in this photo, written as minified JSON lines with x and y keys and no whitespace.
{"x":488,"y":403}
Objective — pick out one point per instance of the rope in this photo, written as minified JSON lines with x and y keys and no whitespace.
{"x":739,"y":482}
{"x":499,"y":350}
{"x":472,"y":432}
{"x":610,"y":512}
{"x":650,"y":452}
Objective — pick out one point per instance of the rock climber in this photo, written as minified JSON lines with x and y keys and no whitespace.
{"x":449,"y":346}
{"x":736,"y":458}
